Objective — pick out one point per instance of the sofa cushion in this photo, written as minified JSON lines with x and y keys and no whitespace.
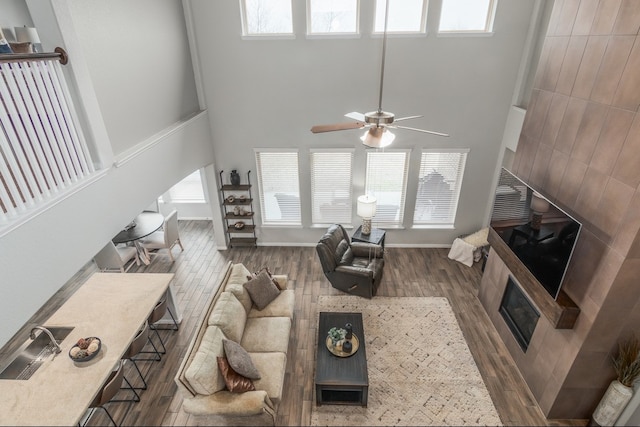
{"x":274,"y":365}
{"x":241,"y":293}
{"x":238,"y":274}
{"x":264,"y":334}
{"x":203,"y":373}
{"x":282,"y":306}
{"x":235,"y":382}
{"x":229,"y":314}
{"x":262,"y":290}
{"x":240,"y":360}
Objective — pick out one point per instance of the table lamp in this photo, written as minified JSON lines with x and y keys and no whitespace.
{"x":366,"y":211}
{"x":28,"y":34}
{"x":539,"y":205}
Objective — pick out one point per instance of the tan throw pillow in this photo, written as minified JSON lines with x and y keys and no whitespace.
{"x":235,"y":382}
{"x":275,"y":282}
{"x":240,"y":360}
{"x":21,"y":47}
{"x":262,"y":290}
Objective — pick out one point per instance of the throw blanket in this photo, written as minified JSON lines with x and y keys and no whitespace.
{"x":462,"y":251}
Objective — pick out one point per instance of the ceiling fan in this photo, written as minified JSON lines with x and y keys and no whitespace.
{"x":378,"y":122}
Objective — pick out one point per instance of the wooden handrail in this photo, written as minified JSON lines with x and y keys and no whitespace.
{"x":58,"y":53}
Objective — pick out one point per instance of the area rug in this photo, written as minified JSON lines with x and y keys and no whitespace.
{"x":421,"y":371}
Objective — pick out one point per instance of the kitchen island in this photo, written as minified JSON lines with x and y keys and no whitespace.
{"x":110,"y":306}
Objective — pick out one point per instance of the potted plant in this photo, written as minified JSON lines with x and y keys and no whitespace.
{"x":627,"y":367}
{"x":336,"y":335}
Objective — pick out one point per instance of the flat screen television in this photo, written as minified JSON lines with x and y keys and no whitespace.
{"x":538,"y":232}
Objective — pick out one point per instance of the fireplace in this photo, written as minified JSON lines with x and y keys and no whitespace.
{"x":519,"y":314}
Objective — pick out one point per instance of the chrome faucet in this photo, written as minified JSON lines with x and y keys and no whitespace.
{"x":48,"y":332}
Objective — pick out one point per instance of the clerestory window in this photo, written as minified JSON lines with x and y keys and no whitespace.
{"x":266,"y":17}
{"x":467,"y":16}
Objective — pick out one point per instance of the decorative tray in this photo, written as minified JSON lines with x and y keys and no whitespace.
{"x":92,"y":346}
{"x":337,"y":350}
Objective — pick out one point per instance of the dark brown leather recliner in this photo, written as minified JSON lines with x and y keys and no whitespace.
{"x":352,"y":267}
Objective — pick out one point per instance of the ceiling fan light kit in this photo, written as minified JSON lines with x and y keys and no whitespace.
{"x":377,"y":136}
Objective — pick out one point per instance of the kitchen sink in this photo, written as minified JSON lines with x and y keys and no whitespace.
{"x":33,"y":354}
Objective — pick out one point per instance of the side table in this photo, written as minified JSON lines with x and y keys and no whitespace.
{"x":376,"y":237}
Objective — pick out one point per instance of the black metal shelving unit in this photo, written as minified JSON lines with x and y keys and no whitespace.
{"x":238,"y":196}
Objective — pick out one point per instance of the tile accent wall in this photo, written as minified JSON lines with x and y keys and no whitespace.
{"x":580,"y":147}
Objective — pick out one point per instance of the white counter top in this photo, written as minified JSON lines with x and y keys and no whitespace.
{"x":111,"y":306}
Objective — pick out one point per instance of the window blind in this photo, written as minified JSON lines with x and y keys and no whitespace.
{"x":512,"y":201}
{"x":278,"y":187}
{"x":387,"y":182}
{"x":331,"y":194}
{"x":439,"y":186}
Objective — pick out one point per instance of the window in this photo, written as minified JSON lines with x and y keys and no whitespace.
{"x":467,"y":15}
{"x":188,"y":190}
{"x":279,"y":187}
{"x":405,"y":16}
{"x":387,"y":182}
{"x":439,"y":187}
{"x":270,"y":17}
{"x":331,"y":194}
{"x":332,"y":16}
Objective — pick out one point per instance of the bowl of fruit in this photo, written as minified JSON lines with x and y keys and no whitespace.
{"x":85,"y":349}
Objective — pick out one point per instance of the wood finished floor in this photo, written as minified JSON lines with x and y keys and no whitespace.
{"x":408,"y":272}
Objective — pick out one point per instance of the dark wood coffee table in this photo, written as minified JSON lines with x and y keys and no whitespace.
{"x":341,"y":380}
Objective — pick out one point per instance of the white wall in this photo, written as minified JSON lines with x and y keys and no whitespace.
{"x":169,"y":140}
{"x":268,"y":93}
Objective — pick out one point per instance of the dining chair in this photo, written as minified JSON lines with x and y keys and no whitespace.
{"x":113,"y":257}
{"x":166,"y":238}
{"x":109,"y":390}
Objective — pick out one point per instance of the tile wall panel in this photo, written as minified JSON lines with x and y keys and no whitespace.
{"x":580,"y":146}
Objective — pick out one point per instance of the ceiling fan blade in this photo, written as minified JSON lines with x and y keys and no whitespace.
{"x":421,"y":130}
{"x":337,"y":126}
{"x":407,"y":118}
{"x":355,"y":116}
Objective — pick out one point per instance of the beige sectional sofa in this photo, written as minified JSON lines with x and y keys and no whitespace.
{"x":265,"y":333}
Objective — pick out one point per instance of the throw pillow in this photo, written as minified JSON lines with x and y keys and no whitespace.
{"x":262,"y":290}
{"x":479,"y":238}
{"x":235,"y":382}
{"x":275,"y":282}
{"x":21,"y":47}
{"x":240,"y":360}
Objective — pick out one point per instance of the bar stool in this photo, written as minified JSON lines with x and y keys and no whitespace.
{"x":109,"y":390}
{"x":158,"y":313}
{"x":135,"y":348}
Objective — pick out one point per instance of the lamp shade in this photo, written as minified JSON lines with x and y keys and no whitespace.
{"x":377,"y":137}
{"x":27,"y":34}
{"x":366,"y":206}
{"x":538,"y":203}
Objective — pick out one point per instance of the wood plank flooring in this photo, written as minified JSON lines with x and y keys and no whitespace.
{"x":408,"y":272}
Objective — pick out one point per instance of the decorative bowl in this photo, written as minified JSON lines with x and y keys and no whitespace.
{"x":82,"y":354}
{"x":231,"y":199}
{"x":238,"y":225}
